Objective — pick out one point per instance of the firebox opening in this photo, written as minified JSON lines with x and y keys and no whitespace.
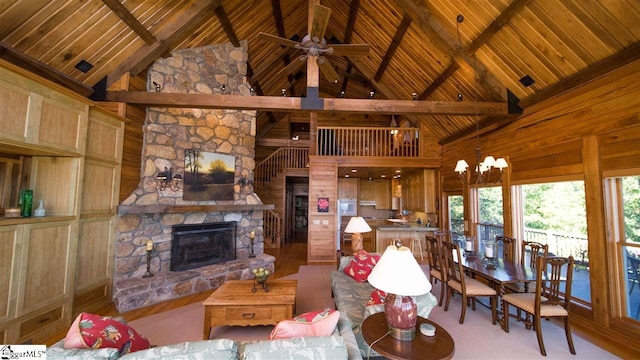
{"x":196,"y":245}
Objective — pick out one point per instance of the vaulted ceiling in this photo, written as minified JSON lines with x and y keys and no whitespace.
{"x":533,"y":49}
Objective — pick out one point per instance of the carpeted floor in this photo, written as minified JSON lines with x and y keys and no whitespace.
{"x":475,"y":339}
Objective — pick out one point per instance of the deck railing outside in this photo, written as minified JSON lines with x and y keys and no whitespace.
{"x":369,"y":141}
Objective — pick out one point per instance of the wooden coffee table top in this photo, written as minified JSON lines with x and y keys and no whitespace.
{"x":238,"y":292}
{"x":440,"y":346}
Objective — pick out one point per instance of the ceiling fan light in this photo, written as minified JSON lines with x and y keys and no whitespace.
{"x":501,"y":163}
{"x":461,"y":166}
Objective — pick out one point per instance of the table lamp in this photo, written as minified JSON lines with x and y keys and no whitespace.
{"x":356,"y":226}
{"x":398,"y":274}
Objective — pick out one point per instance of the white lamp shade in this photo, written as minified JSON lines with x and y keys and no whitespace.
{"x":461,"y":166}
{"x":397,"y":272}
{"x":357,"y":224}
{"x":489,"y":161}
{"x":501,"y":163}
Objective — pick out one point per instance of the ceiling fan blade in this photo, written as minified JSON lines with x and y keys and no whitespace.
{"x":350,"y":49}
{"x":277,"y":39}
{"x":320,"y":21}
{"x":328,"y":71}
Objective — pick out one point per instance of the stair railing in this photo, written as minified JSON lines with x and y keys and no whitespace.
{"x":281,"y":159}
{"x":271,"y":225}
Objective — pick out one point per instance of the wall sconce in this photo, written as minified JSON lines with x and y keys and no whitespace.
{"x":166,"y":179}
{"x":371,"y":94}
{"x":157,"y":86}
{"x":245,"y":181}
{"x":252,"y":91}
{"x":284,"y":92}
{"x":223,"y":89}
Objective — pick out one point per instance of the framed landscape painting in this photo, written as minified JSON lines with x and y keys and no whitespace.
{"x":208,"y":176}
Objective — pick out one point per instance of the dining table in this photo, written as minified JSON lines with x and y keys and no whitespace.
{"x":498,"y":274}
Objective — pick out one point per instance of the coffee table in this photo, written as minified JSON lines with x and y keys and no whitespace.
{"x":234,"y":304}
{"x":440,"y":346}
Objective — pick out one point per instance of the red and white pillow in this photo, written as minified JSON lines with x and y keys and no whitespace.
{"x":377,"y":297}
{"x":91,"y":331}
{"x":361,"y":265}
{"x":314,"y":323}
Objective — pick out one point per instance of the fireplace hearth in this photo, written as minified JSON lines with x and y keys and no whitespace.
{"x":197,"y":245}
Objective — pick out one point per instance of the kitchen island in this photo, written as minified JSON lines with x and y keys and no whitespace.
{"x":406,"y":232}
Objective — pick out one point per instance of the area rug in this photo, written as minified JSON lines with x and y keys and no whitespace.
{"x":475,"y":339}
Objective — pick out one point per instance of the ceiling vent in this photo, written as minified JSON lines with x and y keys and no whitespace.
{"x":84,"y":66}
{"x":527,"y":81}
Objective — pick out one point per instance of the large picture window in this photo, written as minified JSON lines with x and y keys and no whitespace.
{"x":555,"y":214}
{"x":624,"y":219}
{"x":490,"y":219}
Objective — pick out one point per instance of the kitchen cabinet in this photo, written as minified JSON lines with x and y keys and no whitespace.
{"x":419,"y":191}
{"x":347,"y":188}
{"x":378,"y":191}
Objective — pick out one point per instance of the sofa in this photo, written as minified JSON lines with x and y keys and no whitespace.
{"x":317,"y":347}
{"x":341,"y":344}
{"x":351,"y":299}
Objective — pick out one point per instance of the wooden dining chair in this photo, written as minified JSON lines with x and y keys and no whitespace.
{"x":508,"y":246}
{"x":467,"y":287}
{"x":436,"y":273}
{"x":531,"y":252}
{"x":547,"y":301}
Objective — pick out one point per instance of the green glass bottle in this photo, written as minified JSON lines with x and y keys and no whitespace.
{"x":27,"y":203}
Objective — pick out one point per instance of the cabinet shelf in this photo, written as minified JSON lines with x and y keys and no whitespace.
{"x":34,"y":220}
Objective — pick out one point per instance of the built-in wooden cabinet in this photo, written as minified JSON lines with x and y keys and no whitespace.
{"x":419,"y":191}
{"x":378,"y":191}
{"x":31,"y":113}
{"x":347,"y":188}
{"x":68,"y":152}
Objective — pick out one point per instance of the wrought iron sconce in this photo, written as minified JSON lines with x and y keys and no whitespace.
{"x":166,"y":179}
{"x":245,"y":181}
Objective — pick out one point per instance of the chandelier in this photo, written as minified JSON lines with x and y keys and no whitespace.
{"x":483,"y":169}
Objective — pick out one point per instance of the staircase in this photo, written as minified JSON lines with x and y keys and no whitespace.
{"x":269,"y":183}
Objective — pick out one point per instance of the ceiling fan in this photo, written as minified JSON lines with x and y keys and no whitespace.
{"x":315,"y":46}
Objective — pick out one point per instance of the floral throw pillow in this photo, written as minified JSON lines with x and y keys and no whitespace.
{"x":314,"y":323}
{"x":376,"y":297}
{"x":361,"y":265}
{"x":91,"y":331}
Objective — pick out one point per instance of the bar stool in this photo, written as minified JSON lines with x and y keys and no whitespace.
{"x":416,"y":242}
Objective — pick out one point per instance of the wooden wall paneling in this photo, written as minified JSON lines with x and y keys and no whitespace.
{"x":10,"y":247}
{"x":553,"y":160}
{"x":62,"y":125}
{"x":14,"y":104}
{"x":620,"y":149}
{"x":105,"y":133}
{"x":98,"y":183}
{"x":132,"y":152}
{"x":323,"y":183}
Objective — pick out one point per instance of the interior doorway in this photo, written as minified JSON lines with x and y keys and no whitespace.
{"x":297,"y":209}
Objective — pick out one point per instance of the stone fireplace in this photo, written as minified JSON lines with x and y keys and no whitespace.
{"x":150,"y":214}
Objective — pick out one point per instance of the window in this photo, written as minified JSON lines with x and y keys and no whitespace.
{"x":456,"y":213}
{"x":555,"y":214}
{"x":489,"y":219}
{"x":624,"y":222}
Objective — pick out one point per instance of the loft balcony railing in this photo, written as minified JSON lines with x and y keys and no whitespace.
{"x":369,"y":141}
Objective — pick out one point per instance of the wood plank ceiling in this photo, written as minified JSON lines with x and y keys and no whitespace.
{"x":418,"y":48}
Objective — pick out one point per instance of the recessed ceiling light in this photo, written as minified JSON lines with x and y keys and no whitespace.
{"x":354,"y":170}
{"x":346,"y":175}
{"x":398,"y":171}
{"x":383,"y":175}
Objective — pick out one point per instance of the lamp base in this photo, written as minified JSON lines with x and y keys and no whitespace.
{"x":402,"y":315}
{"x":402,"y":334}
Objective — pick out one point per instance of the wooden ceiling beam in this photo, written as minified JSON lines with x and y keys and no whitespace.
{"x":172,"y":33}
{"x":226,"y":25}
{"x":486,"y":125}
{"x":348,"y":34}
{"x":28,"y":63}
{"x":123,"y":13}
{"x":446,"y":74}
{"x":428,"y":23}
{"x":395,"y":42}
{"x":600,"y":68}
{"x":512,"y":10}
{"x":297,"y":104}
